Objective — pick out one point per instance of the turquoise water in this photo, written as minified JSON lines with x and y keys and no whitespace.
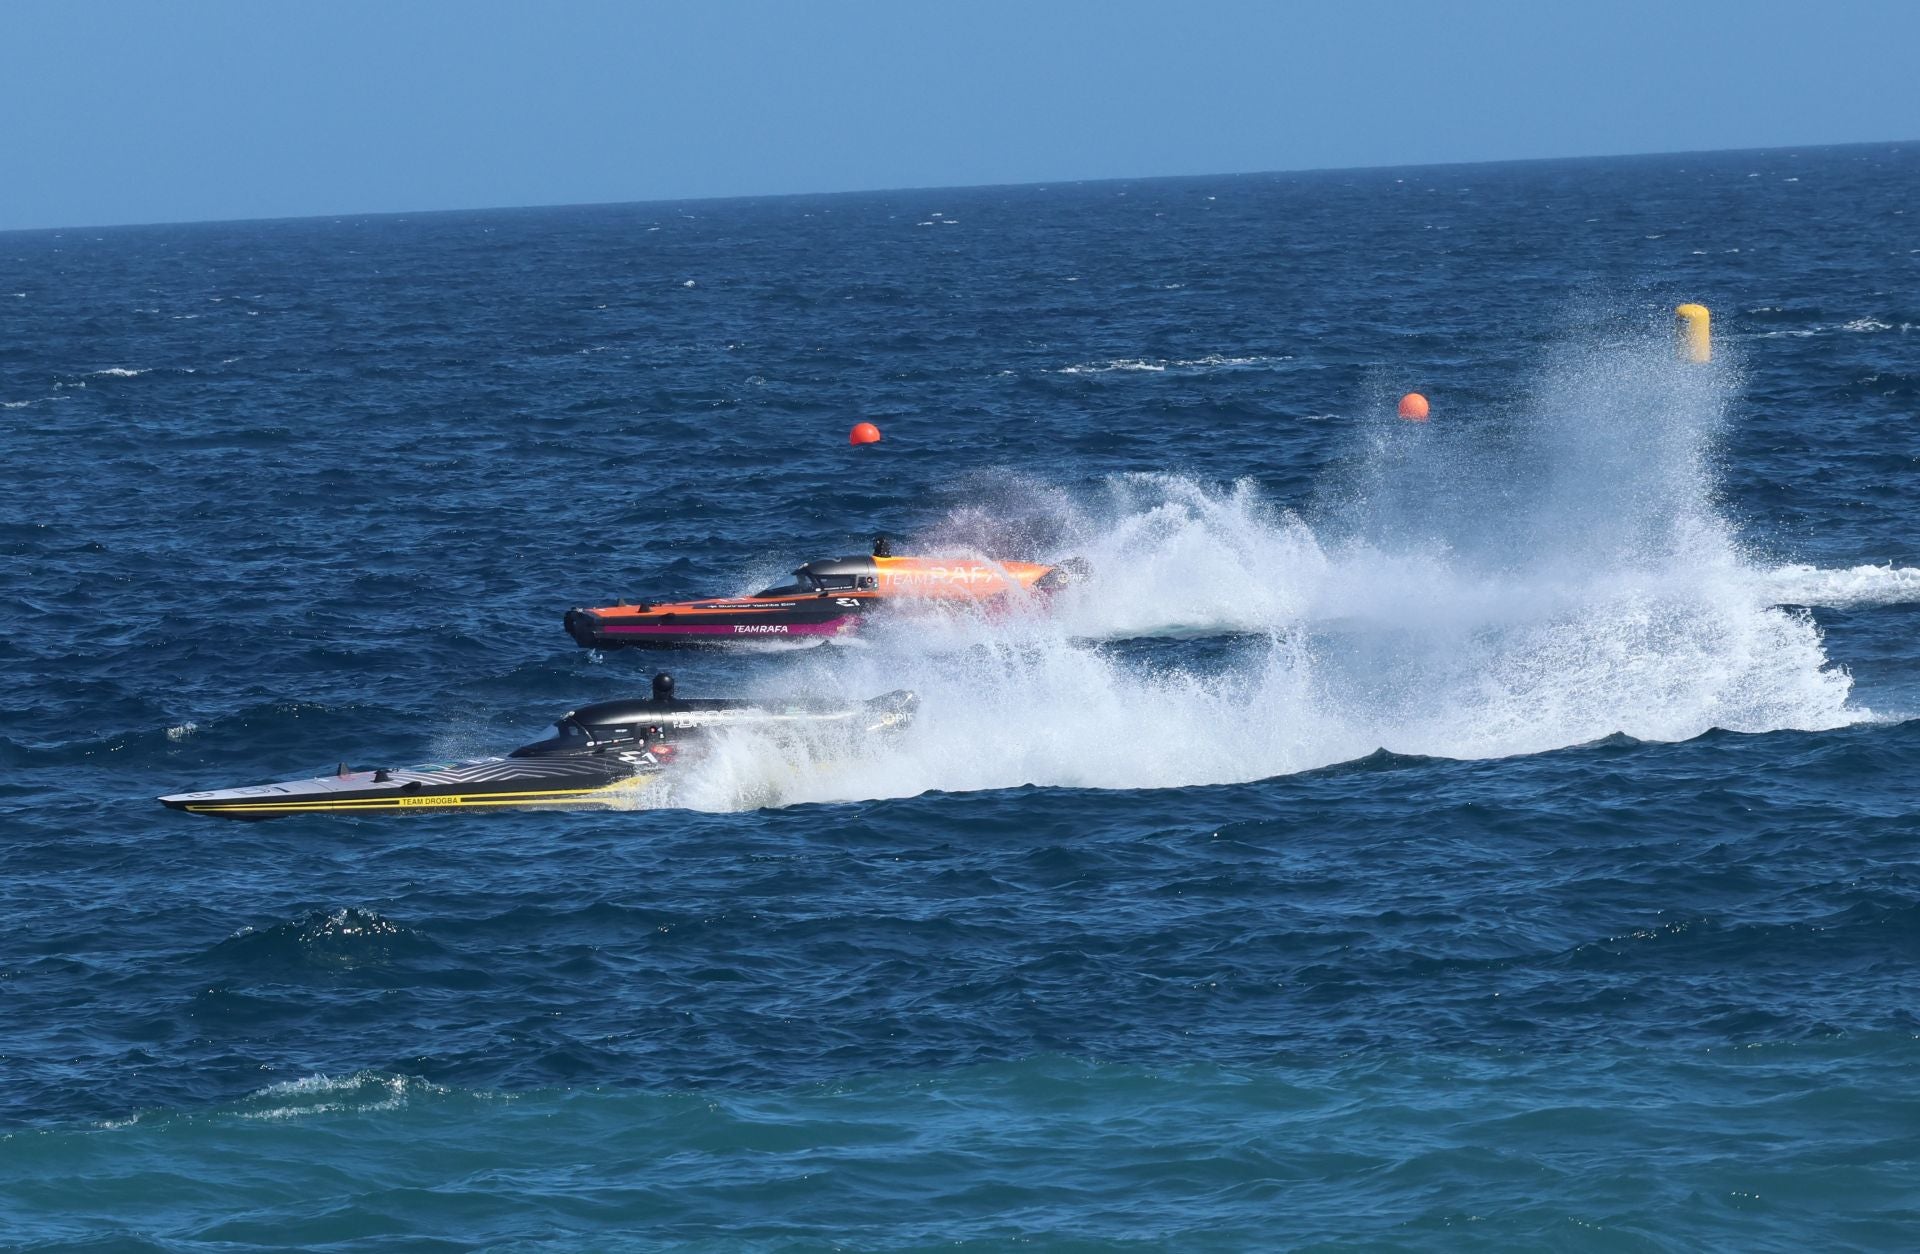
{"x":1407,"y":1149}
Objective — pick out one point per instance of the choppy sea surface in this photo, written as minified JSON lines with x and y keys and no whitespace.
{"x":1492,"y":833}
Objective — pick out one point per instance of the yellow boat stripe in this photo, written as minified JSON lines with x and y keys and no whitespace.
{"x":406,"y":801}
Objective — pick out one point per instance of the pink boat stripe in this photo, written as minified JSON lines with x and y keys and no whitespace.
{"x":830,"y":627}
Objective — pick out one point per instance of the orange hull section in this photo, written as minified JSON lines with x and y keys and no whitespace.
{"x":836,"y":597}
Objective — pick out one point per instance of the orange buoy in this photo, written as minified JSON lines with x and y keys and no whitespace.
{"x":864,"y":433}
{"x":1413,"y":407}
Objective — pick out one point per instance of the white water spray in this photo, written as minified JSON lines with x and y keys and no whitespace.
{"x":1484,"y":586}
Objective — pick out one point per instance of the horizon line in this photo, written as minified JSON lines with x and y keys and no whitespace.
{"x":954,"y":187}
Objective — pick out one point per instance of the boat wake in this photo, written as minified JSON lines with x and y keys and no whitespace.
{"x":1486,"y":585}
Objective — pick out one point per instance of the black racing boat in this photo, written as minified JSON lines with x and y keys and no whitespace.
{"x":599,"y":755}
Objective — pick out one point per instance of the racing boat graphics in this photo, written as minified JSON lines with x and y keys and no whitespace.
{"x":599,"y":755}
{"x":827,"y":598}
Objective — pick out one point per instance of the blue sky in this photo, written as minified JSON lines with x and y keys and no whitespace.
{"x":149,"y":112}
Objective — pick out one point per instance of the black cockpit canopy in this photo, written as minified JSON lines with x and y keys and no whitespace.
{"x":831,"y":574}
{"x":608,"y":723}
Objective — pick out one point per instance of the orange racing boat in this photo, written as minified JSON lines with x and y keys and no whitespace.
{"x":827,"y":598}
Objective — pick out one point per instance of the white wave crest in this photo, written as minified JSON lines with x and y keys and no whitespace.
{"x":1858,"y":326}
{"x":1839,"y":589}
{"x":1138,"y":364}
{"x":364,"y":1091}
{"x":1163,"y":365}
{"x":119,"y":372}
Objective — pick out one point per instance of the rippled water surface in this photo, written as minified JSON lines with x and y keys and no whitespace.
{"x":1496,"y":832}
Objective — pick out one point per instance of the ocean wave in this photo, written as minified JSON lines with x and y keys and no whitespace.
{"x":1137,"y":364}
{"x":1841,"y":588}
{"x":1855,"y":326}
{"x":340,"y":939}
{"x":1163,"y":365}
{"x":1112,"y":1154}
{"x":362,"y":1093}
{"x":289,"y":726}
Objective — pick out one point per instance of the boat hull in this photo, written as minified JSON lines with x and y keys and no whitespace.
{"x":490,"y":783}
{"x":832,"y":598}
{"x":600,"y":755}
{"x":698,"y":624}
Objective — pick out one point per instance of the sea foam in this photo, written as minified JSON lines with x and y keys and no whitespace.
{"x":1483,"y":586}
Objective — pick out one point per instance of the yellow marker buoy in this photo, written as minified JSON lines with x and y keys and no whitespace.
{"x":1693,"y":334}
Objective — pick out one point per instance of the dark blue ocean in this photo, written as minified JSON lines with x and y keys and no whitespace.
{"x":1498,"y":833}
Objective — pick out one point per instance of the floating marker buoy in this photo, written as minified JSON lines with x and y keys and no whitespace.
{"x":1693,"y":332}
{"x":864,"y":433}
{"x":1413,"y":407}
